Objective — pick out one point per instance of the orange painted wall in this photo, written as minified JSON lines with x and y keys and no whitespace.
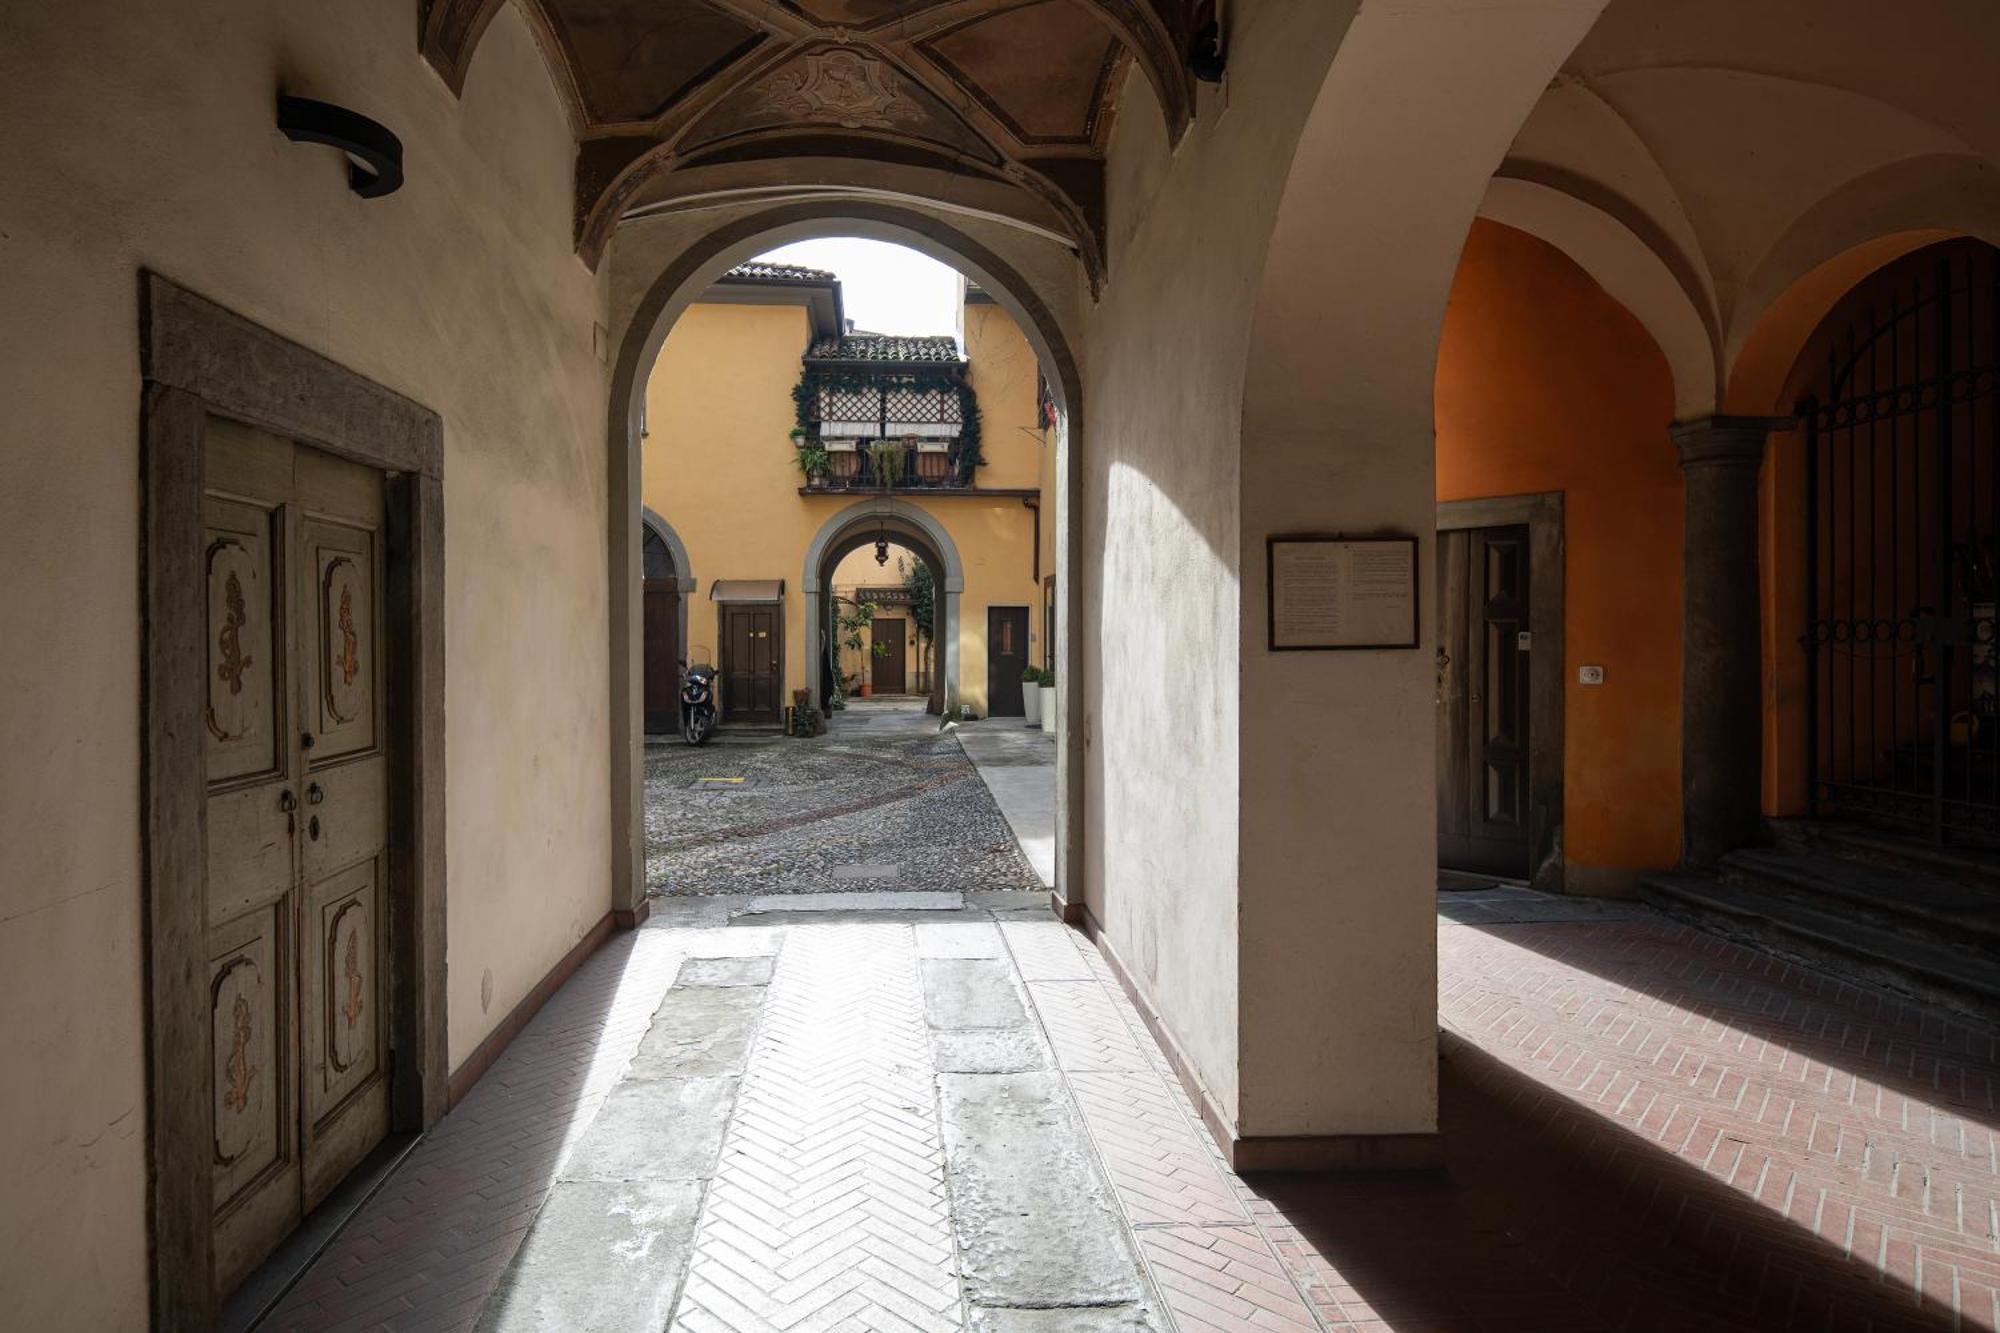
{"x":1544,"y":383}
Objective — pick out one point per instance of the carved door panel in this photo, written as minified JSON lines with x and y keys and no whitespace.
{"x":251,"y":855}
{"x":345,"y":813}
{"x":297,"y":833}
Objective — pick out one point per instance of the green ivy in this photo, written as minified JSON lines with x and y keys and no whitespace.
{"x":805,"y":394}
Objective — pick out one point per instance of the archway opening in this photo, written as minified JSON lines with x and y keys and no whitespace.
{"x":783,"y":426}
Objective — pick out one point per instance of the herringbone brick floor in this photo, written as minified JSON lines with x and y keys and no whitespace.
{"x":828,"y":1209}
{"x":1648,"y":1129}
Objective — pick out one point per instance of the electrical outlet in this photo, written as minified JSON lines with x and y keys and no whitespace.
{"x":1590,"y":675}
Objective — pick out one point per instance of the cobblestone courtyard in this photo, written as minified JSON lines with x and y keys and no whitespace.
{"x":884,"y":801}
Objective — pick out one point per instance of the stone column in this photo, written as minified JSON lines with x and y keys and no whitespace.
{"x":1721,"y":644}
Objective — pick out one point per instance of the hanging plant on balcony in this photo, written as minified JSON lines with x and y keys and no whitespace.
{"x":887,"y":458}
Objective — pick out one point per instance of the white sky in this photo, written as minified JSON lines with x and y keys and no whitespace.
{"x":885,"y":288}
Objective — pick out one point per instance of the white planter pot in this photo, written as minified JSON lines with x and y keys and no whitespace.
{"x":1031,"y":704}
{"x":1048,"y":693}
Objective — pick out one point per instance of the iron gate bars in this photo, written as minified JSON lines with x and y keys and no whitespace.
{"x":1903,"y":492}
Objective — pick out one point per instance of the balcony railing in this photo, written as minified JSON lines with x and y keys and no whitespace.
{"x":919,"y":470}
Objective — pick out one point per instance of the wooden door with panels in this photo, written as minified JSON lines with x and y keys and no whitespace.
{"x":1483,"y":792}
{"x":1006,"y":658}
{"x":298,"y":813}
{"x":751,"y":664}
{"x":887,"y":660}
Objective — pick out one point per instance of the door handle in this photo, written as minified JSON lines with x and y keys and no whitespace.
{"x":314,"y":794}
{"x":287,"y":802}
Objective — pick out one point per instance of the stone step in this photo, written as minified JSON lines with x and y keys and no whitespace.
{"x":1964,"y":982}
{"x":1974,"y":866}
{"x":1915,"y":902}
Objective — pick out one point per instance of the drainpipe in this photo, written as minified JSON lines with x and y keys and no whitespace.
{"x":1034,"y":505}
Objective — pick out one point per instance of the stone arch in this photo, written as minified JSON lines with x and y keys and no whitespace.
{"x":683,"y":567}
{"x":1630,"y":270}
{"x":675,"y":285}
{"x":911,"y":525}
{"x":1336,"y":828}
{"x":1871,"y":221}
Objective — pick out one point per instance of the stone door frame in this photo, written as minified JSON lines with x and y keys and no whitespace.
{"x":199,"y":360}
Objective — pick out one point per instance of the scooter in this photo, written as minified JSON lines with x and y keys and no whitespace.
{"x":698,"y":684}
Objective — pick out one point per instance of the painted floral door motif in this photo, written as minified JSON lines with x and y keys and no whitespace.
{"x":297,"y":820}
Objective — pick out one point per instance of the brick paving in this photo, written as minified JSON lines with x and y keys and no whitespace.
{"x":829,"y":1205}
{"x":1647,"y":1128}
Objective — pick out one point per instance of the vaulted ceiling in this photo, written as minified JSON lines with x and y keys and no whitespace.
{"x":1003,"y":104}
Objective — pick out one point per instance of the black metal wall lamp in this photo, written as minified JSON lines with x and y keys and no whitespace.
{"x":375,"y":154}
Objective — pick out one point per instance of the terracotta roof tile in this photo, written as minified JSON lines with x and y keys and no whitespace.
{"x":886,"y":347}
{"x":758,"y":270}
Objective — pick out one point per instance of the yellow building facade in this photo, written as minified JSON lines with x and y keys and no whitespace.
{"x":749,"y":561}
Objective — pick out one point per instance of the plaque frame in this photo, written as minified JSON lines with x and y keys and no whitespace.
{"x":1277,"y":539}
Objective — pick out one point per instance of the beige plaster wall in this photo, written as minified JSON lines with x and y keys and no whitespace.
{"x":143,"y":136}
{"x":1161,"y":523}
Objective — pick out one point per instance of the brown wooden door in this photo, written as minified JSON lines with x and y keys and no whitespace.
{"x":663,"y":652}
{"x":1006,"y":658}
{"x":889,"y":663}
{"x":1482,"y":732}
{"x":297,"y":833}
{"x":752,"y":658}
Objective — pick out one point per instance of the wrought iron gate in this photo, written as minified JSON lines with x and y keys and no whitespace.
{"x":1903,"y":476}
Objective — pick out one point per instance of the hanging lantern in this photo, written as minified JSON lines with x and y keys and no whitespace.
{"x":881,"y":546}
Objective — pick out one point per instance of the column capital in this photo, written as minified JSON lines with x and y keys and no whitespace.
{"x":1720,"y":441}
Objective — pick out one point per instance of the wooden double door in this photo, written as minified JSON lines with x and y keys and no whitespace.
{"x":1483,"y":794}
{"x":298,"y":812}
{"x":753,"y":656}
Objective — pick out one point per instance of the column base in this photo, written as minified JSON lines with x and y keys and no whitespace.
{"x":1336,"y":1152}
{"x":631,"y":918}
{"x":1250,"y":1153}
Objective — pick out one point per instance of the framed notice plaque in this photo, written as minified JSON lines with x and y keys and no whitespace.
{"x":1329,"y":593}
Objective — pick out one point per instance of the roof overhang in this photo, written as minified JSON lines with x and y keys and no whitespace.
{"x":747,"y":590}
{"x":824,"y":308}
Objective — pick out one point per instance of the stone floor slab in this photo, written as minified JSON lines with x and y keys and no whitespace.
{"x":989,"y":1051}
{"x":602,"y":1255}
{"x":1106,"y":1319}
{"x":971,"y":993}
{"x":656,"y":1129}
{"x":894,"y":900}
{"x":1036,"y":1224}
{"x":699,"y":1031}
{"x":752,"y":971}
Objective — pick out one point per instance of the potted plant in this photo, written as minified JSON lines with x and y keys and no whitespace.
{"x":1048,"y":693}
{"x":1031,"y":695}
{"x":851,"y":626}
{"x":812,"y":461}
